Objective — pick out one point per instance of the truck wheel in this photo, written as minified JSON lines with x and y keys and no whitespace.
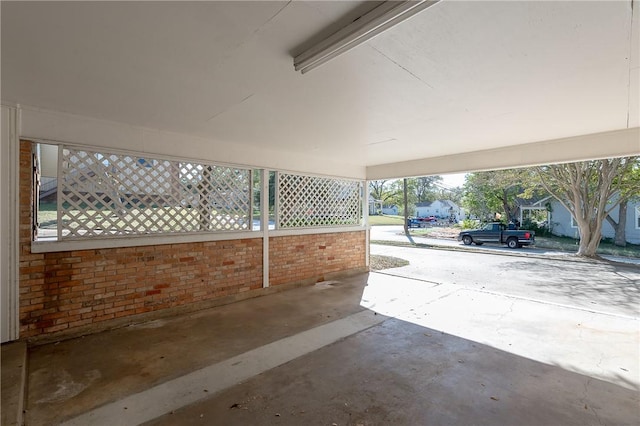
{"x":467,"y":240}
{"x":512,"y":243}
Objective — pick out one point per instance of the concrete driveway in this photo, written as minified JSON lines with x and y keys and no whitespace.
{"x":599,"y":287}
{"x":414,"y":345}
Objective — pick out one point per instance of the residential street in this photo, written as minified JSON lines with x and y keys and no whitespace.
{"x":396,"y":233}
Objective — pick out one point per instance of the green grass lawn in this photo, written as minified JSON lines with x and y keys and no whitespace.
{"x":48,"y":215}
{"x":386,"y":220}
{"x":571,"y":245}
{"x":157,"y":219}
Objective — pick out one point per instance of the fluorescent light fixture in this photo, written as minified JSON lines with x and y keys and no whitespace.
{"x":369,"y":25}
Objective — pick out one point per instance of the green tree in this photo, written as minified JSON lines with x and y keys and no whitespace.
{"x":498,"y":191}
{"x":425,"y":188}
{"x":384,"y":190}
{"x":453,"y":194}
{"x":620,"y":226}
{"x":419,"y":189}
{"x":391,"y":192}
{"x":590,"y":190}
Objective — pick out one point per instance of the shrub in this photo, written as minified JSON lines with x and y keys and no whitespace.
{"x":541,"y":229}
{"x":469,"y":224}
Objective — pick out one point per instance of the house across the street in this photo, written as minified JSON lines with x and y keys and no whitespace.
{"x":378,"y":207}
{"x":442,"y":209}
{"x":563,"y":224}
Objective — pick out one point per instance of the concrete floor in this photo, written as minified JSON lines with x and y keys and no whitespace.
{"x":370,"y":349}
{"x":13,"y":357}
{"x":399,"y":373}
{"x":73,"y":376}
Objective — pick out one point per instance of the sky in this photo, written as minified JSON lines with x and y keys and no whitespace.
{"x":453,"y":180}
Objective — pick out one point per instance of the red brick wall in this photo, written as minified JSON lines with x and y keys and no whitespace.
{"x":63,"y":292}
{"x":89,"y":286}
{"x":311,"y":257}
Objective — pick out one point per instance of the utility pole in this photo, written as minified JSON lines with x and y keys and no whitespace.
{"x":406,"y":210}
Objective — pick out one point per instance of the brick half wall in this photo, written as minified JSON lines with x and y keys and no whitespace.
{"x":313,"y":257}
{"x":75,"y":292}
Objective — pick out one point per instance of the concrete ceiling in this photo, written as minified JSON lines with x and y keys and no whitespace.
{"x":460,"y":77}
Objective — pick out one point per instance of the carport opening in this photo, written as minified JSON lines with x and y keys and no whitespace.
{"x":603,"y":220}
{"x":539,"y":302}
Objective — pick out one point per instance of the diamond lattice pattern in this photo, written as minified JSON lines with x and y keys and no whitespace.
{"x":116,"y":194}
{"x":307,"y":201}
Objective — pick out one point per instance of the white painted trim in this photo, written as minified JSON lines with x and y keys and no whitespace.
{"x":618,"y":143}
{"x":9,"y":234}
{"x":264,"y":225}
{"x":365,"y":221}
{"x":637,"y":223}
{"x":135,"y":241}
{"x":276,"y":200}
{"x":14,"y":218}
{"x":59,"y":193}
{"x":311,"y":231}
{"x":4,"y":228}
{"x":44,"y":246}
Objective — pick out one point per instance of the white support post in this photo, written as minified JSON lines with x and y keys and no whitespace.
{"x":365,"y":219}
{"x":264,"y":225}
{"x":251,"y":193}
{"x":276,"y":207}
{"x":59,"y":194}
{"x":9,"y":218}
{"x":521,"y":216}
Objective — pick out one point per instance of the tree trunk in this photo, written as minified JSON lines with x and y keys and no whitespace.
{"x":619,"y":227}
{"x":505,"y":205}
{"x":590,"y":235}
{"x":586,"y":190}
{"x":406,"y":211}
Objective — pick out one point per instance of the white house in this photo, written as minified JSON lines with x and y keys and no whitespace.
{"x":393,"y":209}
{"x":563,"y":224}
{"x":377,"y":207}
{"x":442,"y":209}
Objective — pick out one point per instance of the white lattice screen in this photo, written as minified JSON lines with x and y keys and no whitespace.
{"x":307,"y":201}
{"x":103,"y":194}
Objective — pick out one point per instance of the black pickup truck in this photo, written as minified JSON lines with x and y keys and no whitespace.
{"x":497,"y":233}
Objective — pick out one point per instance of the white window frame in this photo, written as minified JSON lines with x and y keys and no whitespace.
{"x":574,"y":224}
{"x":638,"y":217}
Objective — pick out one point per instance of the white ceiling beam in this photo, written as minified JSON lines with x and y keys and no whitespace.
{"x":619,"y":143}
